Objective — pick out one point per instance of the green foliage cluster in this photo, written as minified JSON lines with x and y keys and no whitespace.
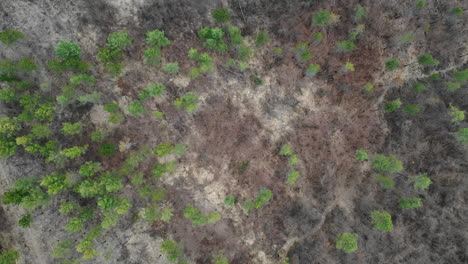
{"x":391,"y":65}
{"x":107,"y":149}
{"x":204,"y":62}
{"x":55,"y":182}
{"x":312,"y":70}
{"x":69,"y":207}
{"x":427,"y":60}
{"x":235,"y":36}
{"x":411,"y":203}
{"x":389,"y":163}
{"x":173,"y":251}
{"x":220,"y":258}
{"x":386,"y":181}
{"x":71,"y":128}
{"x":90,"y":168}
{"x":393,"y":105}
{"x":462,"y":135}
{"x":26,"y":65}
{"x":136,"y":108}
{"x":221,"y":15}
{"x":421,"y":3}
{"x":112,"y":53}
{"x":77,"y":223}
{"x":263,"y":197}
{"x":171,"y":68}
{"x":318,"y":37}
{"x":324,"y":18}
{"x":27,"y":193}
{"x":62,"y":250}
{"x":197,"y":218}
{"x":347,"y":242}
{"x":461,"y":76}
{"x":134,"y":160}
{"x":9,"y":257}
{"x":303,"y":53}
{"x":98,"y":136}
{"x":229,"y":200}
{"x":256,"y":80}
{"x":74,"y":152}
{"x":421,"y":181}
{"x":261,"y":39}
{"x":167,"y":148}
{"x":107,"y":202}
{"x":382,"y":221}
{"x":156,"y":40}
{"x":457,"y":11}
{"x":345,"y":45}
{"x":453,"y":86}
{"x":68,"y":58}
{"x":188,"y":102}
{"x":106,"y":183}
{"x":412,"y":109}
{"x":213,"y":38}
{"x":152,"y":214}
{"x":115,"y":116}
{"x":360,"y":13}
{"x":9,"y":127}
{"x":25,"y":221}
{"x":154,"y":90}
{"x":293,"y":174}
{"x":361,"y":154}
{"x":85,"y":247}
{"x":9,"y":36}
{"x":419,"y":87}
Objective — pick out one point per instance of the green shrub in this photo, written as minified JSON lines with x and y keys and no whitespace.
{"x":345,"y":45}
{"x":171,"y":68}
{"x":213,"y":38}
{"x":461,"y":76}
{"x":256,"y":80}
{"x":347,"y":242}
{"x":421,"y":3}
{"x":74,"y":152}
{"x":136,"y":108}
{"x":324,"y":18}
{"x":462,"y":135}
{"x":172,"y":250}
{"x":45,"y":112}
{"x":25,"y":221}
{"x":412,"y":109}
{"x":229,"y":200}
{"x":453,"y":86}
{"x":110,"y":182}
{"x":62,"y":250}
{"x":221,"y":15}
{"x":157,"y":39}
{"x":107,"y":202}
{"x":197,"y":218}
{"x":7,"y":148}
{"x":67,"y":50}
{"x":411,"y":203}
{"x":82,"y":78}
{"x":382,"y":221}
{"x":427,"y":60}
{"x":318,"y":37}
{"x":349,"y":67}
{"x":278,"y":51}
{"x":118,"y":40}
{"x":286,"y":150}
{"x":152,"y":56}
{"x":163,"y":149}
{"x":360,"y":13}
{"x":26,"y":193}
{"x":108,"y":149}
{"x":123,"y":207}
{"x":406,"y":39}
{"x":220,"y":259}
{"x":8,"y":94}
{"x":235,"y":36}
{"x":158,"y":195}
{"x":387,"y":163}
{"x":90,"y":168}
{"x":292,"y":176}
{"x":40,"y":131}
{"x":293,"y":159}
{"x":10,"y":36}
{"x":391,"y":65}
{"x":158,"y":114}
{"x":393,"y":105}
{"x":154,"y":90}
{"x":115,"y":117}
{"x":88,"y":188}
{"x":244,"y":53}
{"x":434,"y":77}
{"x":457,"y":11}
{"x":71,"y":128}
{"x":98,"y":136}
{"x":26,"y":65}
{"x":69,"y":207}
{"x":457,"y":115}
{"x":263,"y":197}
{"x":162,"y":168}
{"x":303,"y":53}
{"x":418,"y":87}
{"x":386,"y":181}
{"x":421,"y":181}
{"x":261,"y":39}
{"x":9,"y":257}
{"x":55,"y":182}
{"x":68,"y":58}
{"x":89,"y":98}
{"x":194,"y":73}
{"x":188,"y":102}
{"x":312,"y":70}
{"x":361,"y":154}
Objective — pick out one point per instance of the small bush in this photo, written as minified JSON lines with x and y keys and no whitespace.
{"x":55,"y":182}
{"x":457,"y":11}
{"x":221,"y":15}
{"x":324,"y":18}
{"x":318,"y":37}
{"x":110,"y":220}
{"x":98,"y":136}
{"x":261,"y":39}
{"x":347,"y":242}
{"x":386,"y":181}
{"x":40,"y":131}
{"x":67,"y":50}
{"x":172,"y":250}
{"x":368,"y":87}
{"x":107,"y":202}
{"x":82,"y":78}
{"x":69,"y":207}
{"x":158,"y":114}
{"x":293,"y":159}
{"x":393,"y":105}
{"x":154,"y":90}
{"x":387,"y":163}
{"x":229,"y":200}
{"x":421,"y":181}
{"x":71,"y":128}
{"x":345,"y":45}
{"x":213,"y":38}
{"x":108,"y":149}
{"x":453,"y":86}
{"x":171,"y":68}
{"x":292,"y":176}
{"x":25,"y":221}
{"x":303,"y":53}
{"x":286,"y":150}
{"x":9,"y":257}
{"x":123,"y":207}
{"x":391,"y":65}
{"x":62,"y":250}
{"x":157,"y":39}
{"x":360,"y":13}
{"x":235,"y":36}
{"x":118,"y":40}
{"x":411,"y":203}
{"x":427,"y":60}
{"x":418,"y":87}
{"x":244,"y":53}
{"x":188,"y":102}
{"x":90,"y":168}
{"x":382,"y":221}
{"x":349,"y":67}
{"x":152,"y":56}
{"x":10,"y":36}
{"x":461,"y":76}
{"x":457,"y":115}
{"x":421,"y":3}
{"x":162,"y":168}
{"x":163,"y":149}
{"x":412,"y":109}
{"x":361,"y":154}
{"x":26,"y":65}
{"x":136,"y":108}
{"x":312,"y":70}
{"x":434,"y":77}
